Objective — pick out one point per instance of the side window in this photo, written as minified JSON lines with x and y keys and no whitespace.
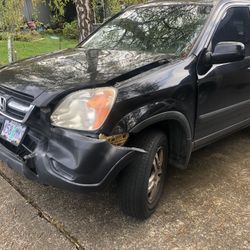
{"x":234,"y":27}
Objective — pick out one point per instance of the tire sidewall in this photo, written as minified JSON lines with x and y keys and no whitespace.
{"x":150,"y":207}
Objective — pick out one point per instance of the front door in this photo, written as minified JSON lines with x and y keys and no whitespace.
{"x":224,"y":91}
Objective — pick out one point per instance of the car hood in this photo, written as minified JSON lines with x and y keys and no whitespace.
{"x":72,"y":68}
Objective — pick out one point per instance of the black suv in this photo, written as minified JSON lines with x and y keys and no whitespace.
{"x":151,"y":85}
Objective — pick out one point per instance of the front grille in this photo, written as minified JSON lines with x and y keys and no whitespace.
{"x":18,"y":110}
{"x":18,"y":106}
{"x":15,"y":114}
{"x":17,"y":95}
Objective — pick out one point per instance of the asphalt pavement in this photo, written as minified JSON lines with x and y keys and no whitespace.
{"x":206,"y":206}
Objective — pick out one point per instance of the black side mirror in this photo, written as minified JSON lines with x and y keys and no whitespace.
{"x":226,"y":52}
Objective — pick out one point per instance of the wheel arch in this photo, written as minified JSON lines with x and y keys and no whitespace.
{"x":179,"y":133}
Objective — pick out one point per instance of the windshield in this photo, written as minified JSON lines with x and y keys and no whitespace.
{"x":169,"y":29}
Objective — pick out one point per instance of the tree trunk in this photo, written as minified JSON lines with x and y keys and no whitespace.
{"x":84,"y":15}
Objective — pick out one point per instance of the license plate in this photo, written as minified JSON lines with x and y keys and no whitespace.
{"x":13,"y":132}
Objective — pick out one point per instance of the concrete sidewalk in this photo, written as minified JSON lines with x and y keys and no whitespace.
{"x":21,"y":227}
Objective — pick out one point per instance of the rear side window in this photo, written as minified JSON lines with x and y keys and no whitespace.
{"x":234,"y":27}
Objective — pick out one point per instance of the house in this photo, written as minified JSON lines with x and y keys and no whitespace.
{"x":42,"y":12}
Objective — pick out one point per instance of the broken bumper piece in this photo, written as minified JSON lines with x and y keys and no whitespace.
{"x":70,"y":161}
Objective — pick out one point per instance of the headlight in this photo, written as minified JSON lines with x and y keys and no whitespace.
{"x":85,"y":109}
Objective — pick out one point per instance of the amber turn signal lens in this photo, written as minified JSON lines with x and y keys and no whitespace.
{"x":102,"y":103}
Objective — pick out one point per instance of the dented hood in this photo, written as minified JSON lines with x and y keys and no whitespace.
{"x":72,"y":68}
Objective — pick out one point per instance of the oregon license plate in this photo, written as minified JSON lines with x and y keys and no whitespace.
{"x":13,"y":132}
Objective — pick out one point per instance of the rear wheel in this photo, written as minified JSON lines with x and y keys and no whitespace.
{"x":142,"y":182}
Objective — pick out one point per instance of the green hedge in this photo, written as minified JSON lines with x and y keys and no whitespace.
{"x":70,"y":30}
{"x":22,"y":36}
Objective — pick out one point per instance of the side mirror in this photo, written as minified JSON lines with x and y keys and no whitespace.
{"x":226,"y":52}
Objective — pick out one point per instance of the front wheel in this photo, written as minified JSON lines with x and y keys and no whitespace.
{"x":142,"y":182}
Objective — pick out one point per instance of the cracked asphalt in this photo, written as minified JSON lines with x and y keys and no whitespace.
{"x":204,"y":207}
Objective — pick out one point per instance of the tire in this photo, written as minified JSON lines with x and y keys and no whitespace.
{"x":137,"y":179}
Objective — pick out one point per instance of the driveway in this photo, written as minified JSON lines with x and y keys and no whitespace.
{"x":204,"y":207}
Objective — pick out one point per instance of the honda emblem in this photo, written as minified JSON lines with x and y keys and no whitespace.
{"x":3,"y":104}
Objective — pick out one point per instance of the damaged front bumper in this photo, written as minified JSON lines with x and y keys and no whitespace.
{"x":67,"y":160}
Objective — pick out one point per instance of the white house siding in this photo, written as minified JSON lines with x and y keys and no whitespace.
{"x":42,"y":12}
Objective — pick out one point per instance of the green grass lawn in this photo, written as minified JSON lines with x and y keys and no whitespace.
{"x":29,"y":49}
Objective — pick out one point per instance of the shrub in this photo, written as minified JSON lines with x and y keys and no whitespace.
{"x":70,"y":30}
{"x":3,"y":36}
{"x":52,"y":32}
{"x":27,"y":36}
{"x":58,"y":31}
{"x":48,"y":32}
{"x":22,"y":36}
